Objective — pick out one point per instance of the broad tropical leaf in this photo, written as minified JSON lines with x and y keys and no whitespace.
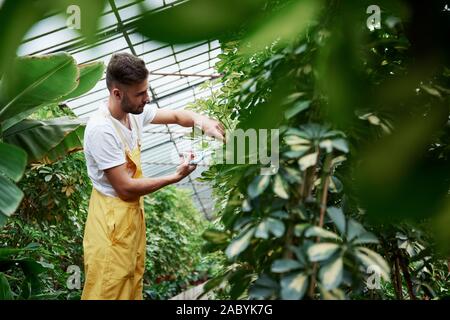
{"x":47,"y":141}
{"x":90,"y":74}
{"x":197,"y":20}
{"x":36,"y":80}
{"x":12,"y":165}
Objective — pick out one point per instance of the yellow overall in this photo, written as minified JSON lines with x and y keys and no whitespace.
{"x":114,"y":240}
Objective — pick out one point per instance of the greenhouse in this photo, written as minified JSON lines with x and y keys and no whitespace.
{"x":224,"y":150}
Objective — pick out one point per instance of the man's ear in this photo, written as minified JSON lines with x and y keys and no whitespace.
{"x":117,"y":93}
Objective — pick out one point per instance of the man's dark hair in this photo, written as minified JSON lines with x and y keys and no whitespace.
{"x":125,"y":68}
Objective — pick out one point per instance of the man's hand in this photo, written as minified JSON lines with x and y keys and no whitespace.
{"x":213,"y":128}
{"x":185,"y":169}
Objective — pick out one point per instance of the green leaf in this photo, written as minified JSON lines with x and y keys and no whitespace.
{"x":335,"y":185}
{"x":296,"y":108}
{"x":47,"y":141}
{"x":293,"y":287}
{"x":327,"y":145}
{"x":322,"y":251}
{"x":340,"y":144}
{"x":331,"y":273}
{"x":371,"y":258}
{"x":258,"y":185}
{"x":294,"y":140}
{"x":354,"y":229}
{"x":263,"y":287}
{"x":308,"y":161}
{"x":36,"y":80}
{"x":279,"y":187}
{"x":239,"y":244}
{"x":285,"y":265}
{"x":315,"y":231}
{"x":215,"y":236}
{"x":10,"y":196}
{"x":5,"y":289}
{"x":12,"y":161}
{"x":91,"y":12}
{"x":285,"y":25}
{"x":431,"y":91}
{"x":262,"y":230}
{"x":299,"y":229}
{"x":16,"y":18}
{"x":90,"y":74}
{"x":276,"y":227}
{"x":366,"y":238}
{"x":198,"y":20}
{"x":338,"y":218}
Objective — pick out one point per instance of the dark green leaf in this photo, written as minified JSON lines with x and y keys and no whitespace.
{"x":322,"y":251}
{"x":293,"y":287}
{"x":331,"y":273}
{"x":12,"y":161}
{"x":258,"y":185}
{"x":338,"y":218}
{"x":285,"y":265}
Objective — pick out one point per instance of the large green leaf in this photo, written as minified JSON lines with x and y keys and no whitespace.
{"x":7,"y":252}
{"x":47,"y":141}
{"x":5,"y":289}
{"x":90,"y":74}
{"x":36,"y":80}
{"x":10,"y":196}
{"x":12,"y":165}
{"x":90,"y":14}
{"x":197,"y":20}
{"x":12,"y":161}
{"x":284,"y":26}
{"x":16,"y":18}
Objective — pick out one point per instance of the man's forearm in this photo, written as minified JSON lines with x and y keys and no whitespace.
{"x":187,"y":118}
{"x":142,"y":186}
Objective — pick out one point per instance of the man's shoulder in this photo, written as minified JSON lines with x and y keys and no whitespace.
{"x":98,"y":128}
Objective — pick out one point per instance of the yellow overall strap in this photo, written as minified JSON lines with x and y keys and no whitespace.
{"x":136,"y":126}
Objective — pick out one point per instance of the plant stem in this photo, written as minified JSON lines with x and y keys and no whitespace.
{"x":398,"y":279}
{"x":407,"y":275}
{"x":326,"y":173}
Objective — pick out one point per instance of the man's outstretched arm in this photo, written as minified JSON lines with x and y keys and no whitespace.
{"x":187,"y":118}
{"x":130,"y":189}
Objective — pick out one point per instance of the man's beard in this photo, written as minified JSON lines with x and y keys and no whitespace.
{"x":129,"y":108}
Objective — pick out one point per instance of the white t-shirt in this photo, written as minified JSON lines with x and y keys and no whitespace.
{"x":104,"y":149}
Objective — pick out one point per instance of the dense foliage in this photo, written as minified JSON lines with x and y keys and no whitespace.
{"x":363,"y":179}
